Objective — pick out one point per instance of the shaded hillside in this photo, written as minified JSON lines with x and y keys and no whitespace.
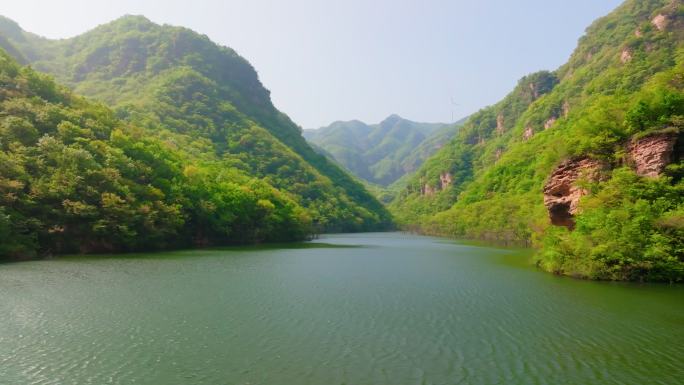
{"x":384,"y":152}
{"x":584,"y":162}
{"x":182,"y":88}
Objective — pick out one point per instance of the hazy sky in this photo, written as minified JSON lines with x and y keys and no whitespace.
{"x":360,"y":59}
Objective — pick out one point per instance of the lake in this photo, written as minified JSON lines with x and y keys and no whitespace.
{"x":387,"y":308}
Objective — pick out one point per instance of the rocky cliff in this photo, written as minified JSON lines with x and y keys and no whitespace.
{"x":562,"y":192}
{"x":650,"y":155}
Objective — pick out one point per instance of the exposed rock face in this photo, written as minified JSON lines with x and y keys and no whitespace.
{"x":562,"y":195}
{"x":528,"y":133}
{"x":427,"y":190}
{"x":660,"y":22}
{"x":445,"y":180}
{"x":549,"y":123}
{"x":535,"y":92}
{"x":500,"y":124}
{"x":566,"y":109}
{"x":626,"y":56}
{"x":650,"y":155}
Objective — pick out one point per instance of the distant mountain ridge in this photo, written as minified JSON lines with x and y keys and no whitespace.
{"x":384,"y":152}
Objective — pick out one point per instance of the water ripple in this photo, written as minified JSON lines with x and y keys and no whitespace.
{"x":403,"y":310}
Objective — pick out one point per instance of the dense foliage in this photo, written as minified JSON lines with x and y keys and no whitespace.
{"x":480,"y":141}
{"x":191,"y":94}
{"x":624,"y":81}
{"x":384,"y":152}
{"x":631,"y":228}
{"x":74,"y":178}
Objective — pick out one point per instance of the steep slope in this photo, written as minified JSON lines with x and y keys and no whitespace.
{"x":74,"y":178}
{"x":23,"y":46}
{"x":479,"y":142}
{"x":428,"y":147}
{"x":584,"y":162}
{"x":384,"y":152}
{"x":171,"y":80}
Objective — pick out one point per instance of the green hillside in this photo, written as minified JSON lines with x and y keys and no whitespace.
{"x":585,"y":163}
{"x":611,"y":120}
{"x":384,"y":152}
{"x":75,"y":178}
{"x":184,"y":90}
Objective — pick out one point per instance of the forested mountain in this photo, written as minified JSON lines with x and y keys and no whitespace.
{"x":187,"y":114}
{"x":384,"y":152}
{"x":74,"y":178}
{"x":584,"y":162}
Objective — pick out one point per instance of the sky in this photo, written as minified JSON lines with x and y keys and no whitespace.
{"x":426,"y":60}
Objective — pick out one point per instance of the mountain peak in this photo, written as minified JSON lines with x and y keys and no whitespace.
{"x":10,"y":28}
{"x":129,"y":22}
{"x":392,"y":119}
{"x":132,"y":18}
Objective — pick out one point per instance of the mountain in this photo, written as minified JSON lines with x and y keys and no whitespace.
{"x":584,"y":163}
{"x":384,"y":152}
{"x":192,"y":151}
{"x":74,"y":178}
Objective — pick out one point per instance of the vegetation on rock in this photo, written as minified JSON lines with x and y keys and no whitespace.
{"x":628,"y":226}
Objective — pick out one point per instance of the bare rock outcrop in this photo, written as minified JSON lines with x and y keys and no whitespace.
{"x":499,"y":124}
{"x":660,"y":21}
{"x":535,"y":91}
{"x":650,"y":155}
{"x":550,"y":122}
{"x":427,"y":190}
{"x":626,"y":56}
{"x":561,"y":193}
{"x":445,"y":180}
{"x":528,"y":133}
{"x":566,"y":109}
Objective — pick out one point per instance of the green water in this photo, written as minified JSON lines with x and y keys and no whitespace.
{"x":350,"y":309}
